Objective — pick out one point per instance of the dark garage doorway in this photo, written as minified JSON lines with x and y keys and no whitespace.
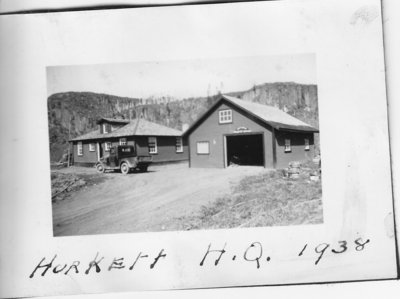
{"x":245,"y":150}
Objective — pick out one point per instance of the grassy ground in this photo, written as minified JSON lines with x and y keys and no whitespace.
{"x":266,"y":199}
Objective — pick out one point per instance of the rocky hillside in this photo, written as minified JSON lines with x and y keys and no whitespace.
{"x":299,"y":100}
{"x":75,"y":113}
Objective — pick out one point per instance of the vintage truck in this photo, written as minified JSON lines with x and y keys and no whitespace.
{"x":124,"y":158}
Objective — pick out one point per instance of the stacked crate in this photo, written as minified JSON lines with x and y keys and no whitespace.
{"x":294,"y":169}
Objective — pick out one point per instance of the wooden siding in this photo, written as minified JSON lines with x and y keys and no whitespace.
{"x":166,"y":149}
{"x":212,"y":131}
{"x":297,"y":144}
{"x":87,"y":157}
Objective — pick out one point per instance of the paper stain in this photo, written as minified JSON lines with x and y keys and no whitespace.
{"x":365,"y":15}
{"x":389,"y":225}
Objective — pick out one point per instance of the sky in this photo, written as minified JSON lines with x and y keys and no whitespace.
{"x":182,"y":78}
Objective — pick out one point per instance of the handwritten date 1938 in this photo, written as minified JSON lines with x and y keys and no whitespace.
{"x":343,"y":246}
{"x":254,"y":253}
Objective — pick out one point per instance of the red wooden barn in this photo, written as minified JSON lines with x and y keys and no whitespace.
{"x":234,"y":131}
{"x":163,"y":143}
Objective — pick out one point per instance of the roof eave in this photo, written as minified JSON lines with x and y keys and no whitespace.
{"x":304,"y":130}
{"x":282,"y":127}
{"x":122,"y":136}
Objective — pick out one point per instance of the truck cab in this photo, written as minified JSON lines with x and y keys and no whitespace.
{"x":125,"y":159}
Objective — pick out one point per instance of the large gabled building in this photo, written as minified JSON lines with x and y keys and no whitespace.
{"x":234,"y":131}
{"x":164,"y":144}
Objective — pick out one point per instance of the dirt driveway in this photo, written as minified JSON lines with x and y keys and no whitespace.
{"x":141,"y":202}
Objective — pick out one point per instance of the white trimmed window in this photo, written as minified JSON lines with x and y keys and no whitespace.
{"x":92,"y":147}
{"x":306,"y":144}
{"x":288,"y":147}
{"x":179,"y":145}
{"x":105,"y":128}
{"x":107,"y":146}
{"x":152,"y":145}
{"x":122,"y":141}
{"x":225,"y":116}
{"x":203,"y":148}
{"x":80,"y":149}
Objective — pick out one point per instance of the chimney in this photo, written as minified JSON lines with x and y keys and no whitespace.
{"x":185,"y":127}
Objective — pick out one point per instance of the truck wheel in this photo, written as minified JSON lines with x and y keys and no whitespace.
{"x":124,"y":168}
{"x":100,"y":168}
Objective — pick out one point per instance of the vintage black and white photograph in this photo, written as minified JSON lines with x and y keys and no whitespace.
{"x":184,"y":145}
{"x":195,"y":146}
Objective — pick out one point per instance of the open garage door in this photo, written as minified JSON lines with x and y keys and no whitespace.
{"x":245,"y":150}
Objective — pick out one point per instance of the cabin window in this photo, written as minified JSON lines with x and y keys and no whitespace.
{"x":122,"y":141}
{"x":152,"y":145}
{"x":179,"y":145}
{"x":107,"y":146}
{"x":92,"y":147}
{"x":306,"y":144}
{"x":80,"y":149}
{"x":105,"y":128}
{"x":225,"y":116}
{"x":203,"y":148}
{"x":288,"y":147}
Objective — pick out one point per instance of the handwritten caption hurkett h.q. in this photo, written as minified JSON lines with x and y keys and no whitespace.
{"x":254,"y":253}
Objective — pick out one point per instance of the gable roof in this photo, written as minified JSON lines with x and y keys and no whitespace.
{"x":272,"y":116}
{"x":136,"y":127}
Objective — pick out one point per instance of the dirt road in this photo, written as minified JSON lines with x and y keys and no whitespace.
{"x":141,"y":202}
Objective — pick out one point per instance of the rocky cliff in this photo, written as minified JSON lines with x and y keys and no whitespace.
{"x":299,"y":100}
{"x":75,"y":113}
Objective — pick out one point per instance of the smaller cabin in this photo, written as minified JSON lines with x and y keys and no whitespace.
{"x":164,"y":144}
